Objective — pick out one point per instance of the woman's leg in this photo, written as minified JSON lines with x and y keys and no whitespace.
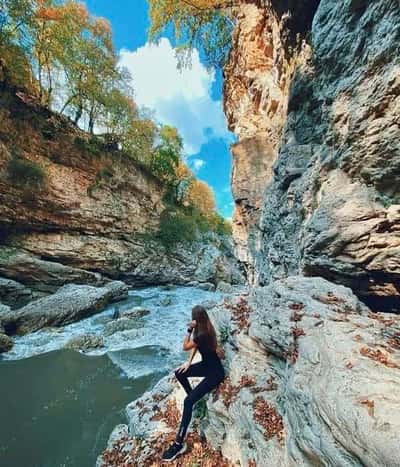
{"x":205,"y":386}
{"x":197,"y":369}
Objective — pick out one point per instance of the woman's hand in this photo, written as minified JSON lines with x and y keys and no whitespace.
{"x":184,"y":367}
{"x":192,"y":324}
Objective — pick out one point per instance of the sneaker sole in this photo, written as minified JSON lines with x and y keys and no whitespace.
{"x":183,"y":450}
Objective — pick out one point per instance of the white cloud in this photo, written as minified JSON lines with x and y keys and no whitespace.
{"x":181,"y":98}
{"x":197,"y":164}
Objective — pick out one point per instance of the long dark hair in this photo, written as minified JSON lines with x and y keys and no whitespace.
{"x":204,"y":332}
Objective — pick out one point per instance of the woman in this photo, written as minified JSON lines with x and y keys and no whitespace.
{"x":205,"y":341}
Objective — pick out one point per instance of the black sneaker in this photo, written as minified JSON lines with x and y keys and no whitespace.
{"x":173,"y":451}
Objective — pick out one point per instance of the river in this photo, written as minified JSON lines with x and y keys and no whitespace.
{"x":58,"y":406}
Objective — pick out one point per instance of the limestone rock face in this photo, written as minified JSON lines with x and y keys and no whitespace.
{"x":311,"y":379}
{"x":331,"y":202}
{"x":256,"y":87}
{"x":321,"y":368}
{"x":13,"y":293}
{"x":94,"y":216}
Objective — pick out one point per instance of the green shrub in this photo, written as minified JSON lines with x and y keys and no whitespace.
{"x":176,"y":227}
{"x":224,"y":334}
{"x":93,"y":145}
{"x":26,"y":174}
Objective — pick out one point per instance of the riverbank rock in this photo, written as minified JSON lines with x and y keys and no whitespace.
{"x":14,"y":294}
{"x":85,"y":342}
{"x":118,"y":291}
{"x":40,"y":275}
{"x":6,"y":343}
{"x":153,"y":423}
{"x":312,"y":378}
{"x":69,"y":304}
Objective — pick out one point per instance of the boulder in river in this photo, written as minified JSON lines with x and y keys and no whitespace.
{"x":85,"y":342}
{"x":208,"y":286}
{"x":6,"y":343}
{"x":136,"y":312}
{"x":69,"y":304}
{"x":118,"y":325}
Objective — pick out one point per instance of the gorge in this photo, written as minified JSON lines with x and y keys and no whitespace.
{"x":311,"y":88}
{"x":310,"y":338}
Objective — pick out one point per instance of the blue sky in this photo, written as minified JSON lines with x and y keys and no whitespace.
{"x":190,"y":100}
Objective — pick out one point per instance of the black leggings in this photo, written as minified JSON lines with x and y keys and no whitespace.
{"x":213,"y":376}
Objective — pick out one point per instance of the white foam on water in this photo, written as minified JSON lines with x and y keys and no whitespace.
{"x":161,"y":331}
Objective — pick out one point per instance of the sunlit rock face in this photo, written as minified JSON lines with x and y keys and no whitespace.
{"x":325,"y":117}
{"x":96,"y":215}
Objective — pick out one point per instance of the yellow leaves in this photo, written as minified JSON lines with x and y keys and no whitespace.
{"x":370,"y":405}
{"x":201,"y":196}
{"x":101,"y":27}
{"x":49,"y":14}
{"x":194,"y":23}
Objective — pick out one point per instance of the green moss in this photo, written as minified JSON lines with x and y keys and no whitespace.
{"x":7,"y":252}
{"x":26,"y":174}
{"x":200,"y":410}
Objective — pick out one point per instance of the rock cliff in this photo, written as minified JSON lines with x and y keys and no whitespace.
{"x":312,"y":89}
{"x":314,"y":99}
{"x":91,"y":217}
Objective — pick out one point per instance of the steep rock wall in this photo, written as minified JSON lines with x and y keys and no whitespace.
{"x":330,"y":205}
{"x":96,"y":211}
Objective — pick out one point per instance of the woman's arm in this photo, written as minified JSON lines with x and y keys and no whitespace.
{"x":192,"y":354}
{"x":187,"y":343}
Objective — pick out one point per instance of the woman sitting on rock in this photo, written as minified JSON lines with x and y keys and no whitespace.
{"x":204,"y":339}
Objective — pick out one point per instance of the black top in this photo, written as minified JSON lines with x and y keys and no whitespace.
{"x":208,"y":356}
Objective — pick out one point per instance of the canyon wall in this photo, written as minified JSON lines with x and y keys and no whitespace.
{"x":312,"y":91}
{"x":93,"y":216}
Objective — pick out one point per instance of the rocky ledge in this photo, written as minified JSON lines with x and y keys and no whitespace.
{"x":312,"y":379}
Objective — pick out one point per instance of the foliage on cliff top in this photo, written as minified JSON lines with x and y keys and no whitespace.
{"x":202,"y":24}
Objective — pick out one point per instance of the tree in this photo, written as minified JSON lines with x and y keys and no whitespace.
{"x":167,"y":154}
{"x":201,"y":197}
{"x":16,"y":19}
{"x":203,"y":24}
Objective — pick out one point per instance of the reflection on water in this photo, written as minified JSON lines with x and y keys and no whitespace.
{"x":58,"y":409}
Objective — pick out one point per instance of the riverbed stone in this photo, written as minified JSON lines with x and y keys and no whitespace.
{"x":85,"y":342}
{"x":224,"y":287}
{"x":70,"y":303}
{"x":208,"y":286}
{"x":6,"y":343}
{"x":118,"y":325}
{"x":136,"y":312}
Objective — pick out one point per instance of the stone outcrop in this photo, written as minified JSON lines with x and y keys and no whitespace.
{"x":312,"y":91}
{"x":70,"y":303}
{"x":330,"y":204}
{"x":312,"y":379}
{"x":13,"y":293}
{"x":313,"y":373}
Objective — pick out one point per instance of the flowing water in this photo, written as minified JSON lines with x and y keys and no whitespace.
{"x":58,"y":406}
